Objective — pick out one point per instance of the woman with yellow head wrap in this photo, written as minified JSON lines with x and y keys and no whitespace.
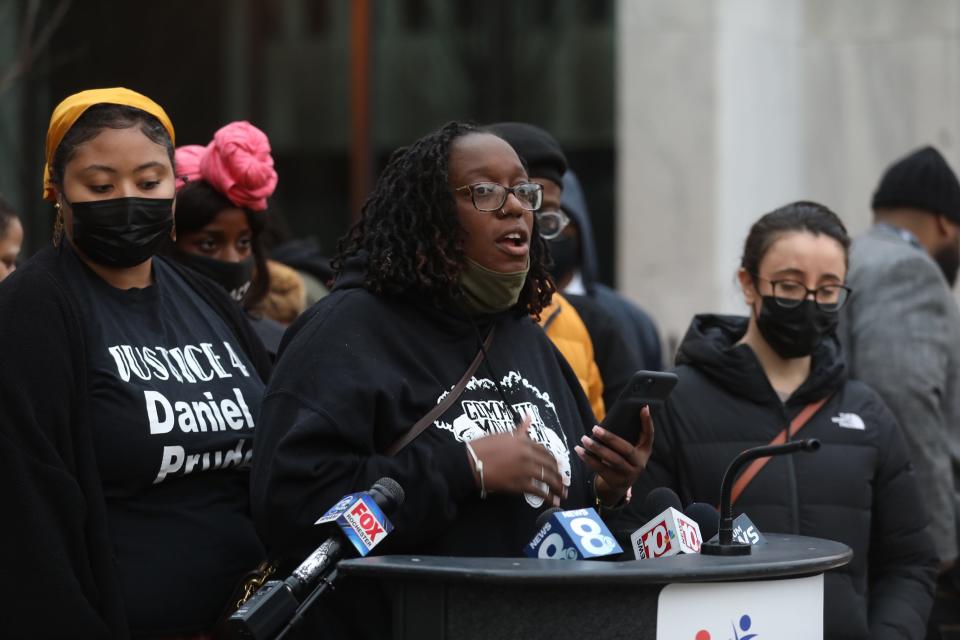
{"x":127,"y":399}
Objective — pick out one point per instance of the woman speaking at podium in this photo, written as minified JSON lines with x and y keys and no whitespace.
{"x":444,"y":270}
{"x":744,"y":381}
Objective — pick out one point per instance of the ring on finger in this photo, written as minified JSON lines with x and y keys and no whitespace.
{"x":541,"y":473}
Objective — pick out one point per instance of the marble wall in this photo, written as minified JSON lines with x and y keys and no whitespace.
{"x":727,"y":109}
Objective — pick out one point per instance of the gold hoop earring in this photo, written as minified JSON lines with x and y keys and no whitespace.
{"x":58,"y":225}
{"x":173,"y":227}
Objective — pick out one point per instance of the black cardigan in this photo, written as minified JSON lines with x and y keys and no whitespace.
{"x":59,"y":578}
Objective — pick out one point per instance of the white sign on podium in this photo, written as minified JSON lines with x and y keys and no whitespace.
{"x":757,"y":610}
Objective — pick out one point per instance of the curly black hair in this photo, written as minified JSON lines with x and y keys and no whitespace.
{"x":412,"y":237}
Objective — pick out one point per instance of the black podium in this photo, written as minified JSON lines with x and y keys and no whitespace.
{"x":441,"y":598}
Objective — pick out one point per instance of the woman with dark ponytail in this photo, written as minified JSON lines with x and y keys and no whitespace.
{"x":780,"y":373}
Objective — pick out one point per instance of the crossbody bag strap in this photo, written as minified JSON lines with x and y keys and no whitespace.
{"x":447,"y":402}
{"x":754,"y":468}
{"x":261,"y":574}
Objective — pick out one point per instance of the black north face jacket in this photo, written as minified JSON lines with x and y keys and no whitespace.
{"x":859,"y":489}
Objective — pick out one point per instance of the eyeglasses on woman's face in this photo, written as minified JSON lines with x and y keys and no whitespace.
{"x":790,"y":294}
{"x":491,"y":196}
{"x":551,"y":224}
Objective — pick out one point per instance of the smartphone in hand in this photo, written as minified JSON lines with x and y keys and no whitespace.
{"x":645,"y":388}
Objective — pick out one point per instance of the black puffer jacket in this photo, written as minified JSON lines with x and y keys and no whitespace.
{"x":859,"y":489}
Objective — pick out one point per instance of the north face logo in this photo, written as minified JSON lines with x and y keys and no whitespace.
{"x":849,"y":421}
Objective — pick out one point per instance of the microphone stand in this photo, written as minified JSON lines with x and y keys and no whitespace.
{"x":725,"y":546}
{"x":326,"y":583}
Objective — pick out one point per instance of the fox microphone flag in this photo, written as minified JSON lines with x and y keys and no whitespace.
{"x":358,"y":517}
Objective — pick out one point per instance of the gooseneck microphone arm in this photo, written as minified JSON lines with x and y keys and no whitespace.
{"x":725,"y":544}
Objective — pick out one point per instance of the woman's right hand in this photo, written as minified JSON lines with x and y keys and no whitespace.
{"x":513,"y":463}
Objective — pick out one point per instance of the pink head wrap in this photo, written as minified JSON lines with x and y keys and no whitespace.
{"x":237,"y":163}
{"x":188,"y":163}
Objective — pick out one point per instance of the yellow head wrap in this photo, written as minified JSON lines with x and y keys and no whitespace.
{"x":70,"y":110}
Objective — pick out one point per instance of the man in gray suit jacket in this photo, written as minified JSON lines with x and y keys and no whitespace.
{"x":901,"y":327}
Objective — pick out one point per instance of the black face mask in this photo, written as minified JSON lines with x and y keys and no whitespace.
{"x":565,"y":253}
{"x":121,"y":232}
{"x":948,"y":259}
{"x":796,"y":332}
{"x":235,"y":277}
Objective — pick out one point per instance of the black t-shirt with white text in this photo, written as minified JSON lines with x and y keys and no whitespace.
{"x":172,"y":400}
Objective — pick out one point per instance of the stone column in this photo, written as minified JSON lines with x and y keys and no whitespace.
{"x":727,"y":109}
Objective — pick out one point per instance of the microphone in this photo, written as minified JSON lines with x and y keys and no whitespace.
{"x":667,"y":534}
{"x":361,"y":519}
{"x":543,"y":517}
{"x":725,"y":545}
{"x":578,"y":534}
{"x":658,"y":500}
{"x":706,"y":517}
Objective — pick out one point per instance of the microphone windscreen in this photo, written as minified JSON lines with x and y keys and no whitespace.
{"x":658,"y":501}
{"x":706,"y":517}
{"x":543,"y":517}
{"x":388,"y":494}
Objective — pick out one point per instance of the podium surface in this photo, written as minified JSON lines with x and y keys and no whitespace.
{"x":782,"y":556}
{"x":439,"y":598}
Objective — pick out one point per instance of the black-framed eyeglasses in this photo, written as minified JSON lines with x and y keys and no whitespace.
{"x":491,"y":196}
{"x":551,"y":224}
{"x":791,"y":294}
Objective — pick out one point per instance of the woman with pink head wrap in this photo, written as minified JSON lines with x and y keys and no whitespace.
{"x":238,"y":164}
{"x":222,"y":192}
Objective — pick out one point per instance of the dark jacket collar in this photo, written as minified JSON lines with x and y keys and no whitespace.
{"x":710,"y":346}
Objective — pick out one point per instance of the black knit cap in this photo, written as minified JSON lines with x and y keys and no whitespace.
{"x":537,"y":148}
{"x":921,"y":180}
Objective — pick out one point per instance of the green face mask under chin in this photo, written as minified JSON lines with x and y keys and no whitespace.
{"x":487,"y":292}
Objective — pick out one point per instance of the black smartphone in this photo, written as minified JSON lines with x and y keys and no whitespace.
{"x":645,"y":388}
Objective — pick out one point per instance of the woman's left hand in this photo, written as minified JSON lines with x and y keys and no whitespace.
{"x":618,"y":463}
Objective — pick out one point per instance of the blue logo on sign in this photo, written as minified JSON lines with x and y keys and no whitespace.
{"x":744,"y":623}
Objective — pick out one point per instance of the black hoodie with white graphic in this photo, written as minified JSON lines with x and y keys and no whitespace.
{"x":858,"y":489}
{"x":357,"y":371}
